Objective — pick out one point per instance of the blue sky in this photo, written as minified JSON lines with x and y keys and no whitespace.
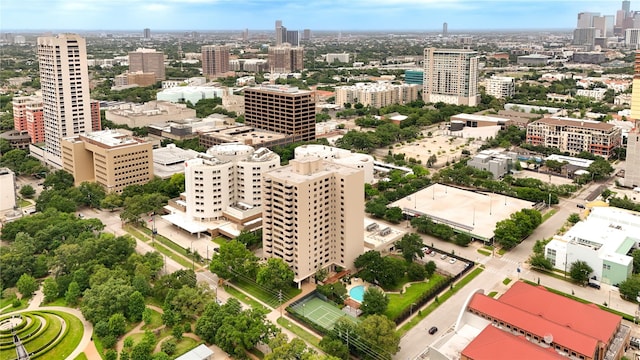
{"x":296,"y":14}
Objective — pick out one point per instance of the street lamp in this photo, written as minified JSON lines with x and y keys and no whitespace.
{"x":193,"y":267}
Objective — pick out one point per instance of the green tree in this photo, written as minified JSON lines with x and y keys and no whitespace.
{"x":636,"y":261}
{"x":430,"y":268}
{"x":374,"y":301}
{"x":136,"y":306}
{"x":411,"y":246}
{"x":600,"y":169}
{"x":169,"y":346}
{"x":379,"y":333}
{"x":91,"y":193}
{"x":111,"y":201}
{"x":630,"y":288}
{"x":117,"y":324}
{"x":580,"y":271}
{"x":574,"y":218}
{"x":73,"y":294}
{"x":50,"y":289}
{"x":234,"y":258}
{"x":27,"y":191}
{"x":27,"y":284}
{"x":275,"y":275}
{"x":416,"y":272}
{"x":103,"y":300}
{"x":59,"y":180}
{"x":334,"y":347}
{"x":393,"y":215}
{"x":540,"y":261}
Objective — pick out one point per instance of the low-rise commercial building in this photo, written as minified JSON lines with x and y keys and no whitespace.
{"x":140,"y":115}
{"x":377,"y":95}
{"x":595,"y":94}
{"x":602,"y":240}
{"x":193,"y":94}
{"x":533,"y":60}
{"x":497,"y":162}
{"x":112,"y":158}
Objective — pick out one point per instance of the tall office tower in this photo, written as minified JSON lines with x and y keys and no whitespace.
{"x":20,"y":104}
{"x":585,"y":19}
{"x":228,"y":175}
{"x":584,"y":37}
{"x":603,"y":25}
{"x":285,"y":59}
{"x":313,"y":215}
{"x":282,"y":109}
{"x":96,"y":124}
{"x":451,"y":76}
{"x":146,"y":61}
{"x":632,"y":164}
{"x":245,"y":35}
{"x":292,"y":37}
{"x":626,"y":6}
{"x":279,"y":32}
{"x":445,"y":29}
{"x":306,"y":34}
{"x":215,"y":61}
{"x":147,"y":33}
{"x":64,"y":79}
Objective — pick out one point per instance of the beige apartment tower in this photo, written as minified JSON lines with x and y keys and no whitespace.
{"x":282,"y":109}
{"x":313,"y":215}
{"x":285,"y":59}
{"x":111,"y":158}
{"x":215,"y":61}
{"x":632,"y":163}
{"x":451,"y":76}
{"x":147,"y":61}
{"x":64,"y":80}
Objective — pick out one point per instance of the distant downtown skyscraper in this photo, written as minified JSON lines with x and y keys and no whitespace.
{"x":451,"y":76}
{"x":215,"y":60}
{"x":279,"y":32}
{"x":64,"y":80}
{"x":147,"y":33}
{"x":445,"y":29}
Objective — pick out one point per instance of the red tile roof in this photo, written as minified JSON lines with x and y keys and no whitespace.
{"x":534,"y":324}
{"x":587,"y":319}
{"x":495,"y":344}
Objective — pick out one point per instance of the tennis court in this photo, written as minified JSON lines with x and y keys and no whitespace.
{"x":320,"y":312}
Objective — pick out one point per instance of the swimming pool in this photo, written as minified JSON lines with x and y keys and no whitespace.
{"x":357,"y":293}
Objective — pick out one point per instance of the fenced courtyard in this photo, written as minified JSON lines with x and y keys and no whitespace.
{"x":318,"y":311}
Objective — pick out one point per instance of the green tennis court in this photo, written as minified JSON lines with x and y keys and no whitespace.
{"x":320,"y":312}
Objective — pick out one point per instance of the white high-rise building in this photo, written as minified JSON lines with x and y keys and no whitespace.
{"x":313,"y":215}
{"x":227,"y":177}
{"x":64,"y":79}
{"x":451,"y":76}
{"x":501,"y":87}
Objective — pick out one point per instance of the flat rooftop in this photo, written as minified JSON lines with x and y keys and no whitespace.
{"x":244,"y":134}
{"x":473,"y":212}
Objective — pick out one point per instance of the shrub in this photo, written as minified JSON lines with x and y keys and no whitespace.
{"x":169,"y":346}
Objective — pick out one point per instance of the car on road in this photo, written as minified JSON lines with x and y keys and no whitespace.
{"x":580,"y":206}
{"x":433,"y":330}
{"x":452,"y":261}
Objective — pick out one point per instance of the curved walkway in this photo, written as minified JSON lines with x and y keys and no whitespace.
{"x":138,"y":329}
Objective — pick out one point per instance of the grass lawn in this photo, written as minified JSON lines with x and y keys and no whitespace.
{"x":502,"y":251}
{"x":484,"y":252}
{"x":98,"y":343}
{"x":57,"y":302}
{"x":434,"y":305}
{"x":506,"y":281}
{"x":268,"y":298}
{"x":70,"y":341}
{"x":156,"y":321}
{"x":548,"y":214}
{"x":82,"y":356}
{"x":244,"y":298}
{"x":492,"y":294}
{"x":220,"y":240}
{"x":184,"y":345}
{"x":136,"y":337}
{"x":300,"y":332}
{"x":51,"y":332}
{"x":6,"y":301}
{"x":24,"y":203}
{"x":23,"y":305}
{"x":160,"y":248}
{"x":399,"y":302}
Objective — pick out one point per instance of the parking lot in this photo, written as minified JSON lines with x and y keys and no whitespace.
{"x":444,"y":262}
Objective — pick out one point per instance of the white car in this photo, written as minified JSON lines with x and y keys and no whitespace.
{"x":452,"y":261}
{"x":444,"y":256}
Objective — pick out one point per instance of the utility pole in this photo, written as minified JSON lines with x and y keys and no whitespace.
{"x":280,"y":301}
{"x":153,"y":229}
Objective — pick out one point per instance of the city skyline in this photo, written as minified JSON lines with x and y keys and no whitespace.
{"x":319,"y":15}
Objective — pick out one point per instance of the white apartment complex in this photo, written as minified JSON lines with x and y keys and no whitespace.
{"x":339,"y":156}
{"x":575,"y":135}
{"x":595,"y":94}
{"x":501,"y":87}
{"x":312,"y":211}
{"x":377,"y":95}
{"x":451,"y":76}
{"x":343,"y":58}
{"x":64,"y":80}
{"x":227,"y":176}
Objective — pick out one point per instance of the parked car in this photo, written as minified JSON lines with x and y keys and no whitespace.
{"x":444,"y":256}
{"x":433,"y":253}
{"x":452,"y":261}
{"x":433,"y":330}
{"x":580,"y":206}
{"x":635,"y":342}
{"x":428,"y":251}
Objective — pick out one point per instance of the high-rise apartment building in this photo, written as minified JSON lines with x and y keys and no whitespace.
{"x":292,"y":37}
{"x":35,"y":121}
{"x":584,"y":37}
{"x":451,"y":76}
{"x":215,"y":61}
{"x":146,"y":61}
{"x":501,"y":87}
{"x":110,"y":158}
{"x":313,"y":215}
{"x":306,"y":34}
{"x":20,"y":104}
{"x":64,"y":80}
{"x":227,"y":180}
{"x":146,"y":34}
{"x":281,"y":109}
{"x":286,"y":59}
